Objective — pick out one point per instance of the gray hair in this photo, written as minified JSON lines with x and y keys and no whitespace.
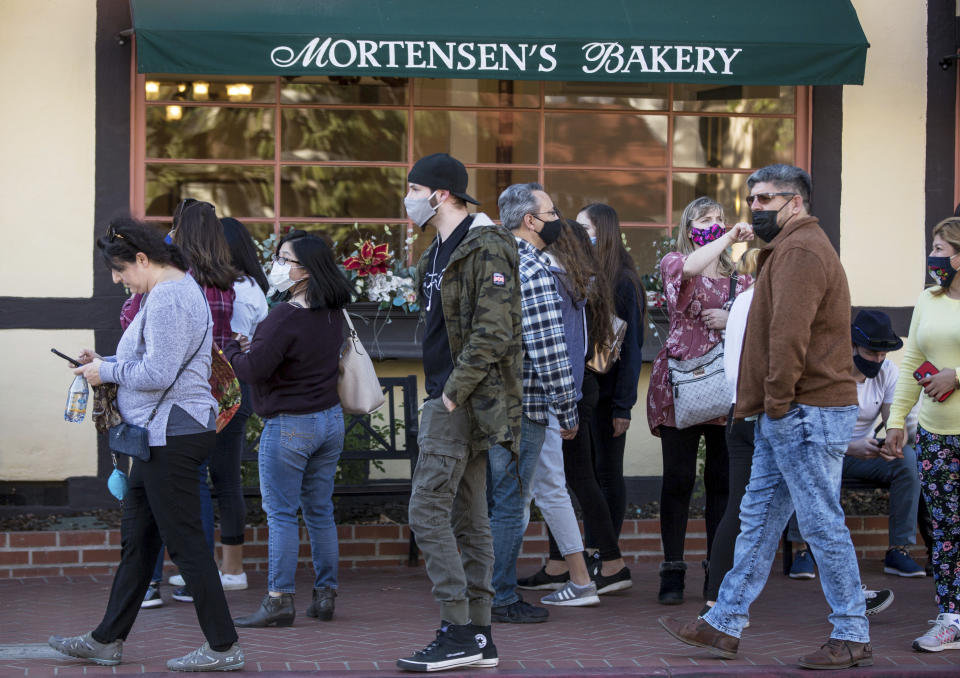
{"x":515,"y":202}
{"x":786,"y":177}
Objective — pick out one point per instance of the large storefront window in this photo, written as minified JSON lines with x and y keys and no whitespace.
{"x":325,"y":153}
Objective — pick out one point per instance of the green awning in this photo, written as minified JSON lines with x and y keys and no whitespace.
{"x":815,"y":42}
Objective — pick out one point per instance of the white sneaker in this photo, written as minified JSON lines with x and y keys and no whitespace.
{"x":943,"y":635}
{"x":234,"y":582}
{"x":176,"y":580}
{"x":572,"y":595}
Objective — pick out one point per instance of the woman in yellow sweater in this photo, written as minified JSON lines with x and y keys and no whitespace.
{"x":935,"y":338}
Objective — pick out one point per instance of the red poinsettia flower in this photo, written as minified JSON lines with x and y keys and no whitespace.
{"x":369,"y":260}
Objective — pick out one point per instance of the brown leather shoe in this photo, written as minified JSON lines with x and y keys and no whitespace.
{"x":839,"y":654}
{"x":700,"y":634}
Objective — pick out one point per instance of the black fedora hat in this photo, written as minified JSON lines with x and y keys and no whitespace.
{"x":873,"y":330}
{"x":441,"y":171}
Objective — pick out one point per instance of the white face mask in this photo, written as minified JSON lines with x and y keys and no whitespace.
{"x":420,"y":210}
{"x":279,"y":278}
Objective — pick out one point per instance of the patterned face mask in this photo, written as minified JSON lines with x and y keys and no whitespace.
{"x":702,"y":236}
{"x":941,"y":270}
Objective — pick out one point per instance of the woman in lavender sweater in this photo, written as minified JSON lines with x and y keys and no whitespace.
{"x":171,"y":330}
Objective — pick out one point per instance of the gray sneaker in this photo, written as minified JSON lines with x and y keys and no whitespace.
{"x":573,"y":596}
{"x":205,"y":659}
{"x":85,"y":647}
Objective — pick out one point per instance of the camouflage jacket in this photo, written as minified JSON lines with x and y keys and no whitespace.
{"x":481,"y":309}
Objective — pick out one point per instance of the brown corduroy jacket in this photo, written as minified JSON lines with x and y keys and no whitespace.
{"x":796,"y":348}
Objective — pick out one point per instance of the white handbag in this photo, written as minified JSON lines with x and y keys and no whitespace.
{"x":358,"y":386}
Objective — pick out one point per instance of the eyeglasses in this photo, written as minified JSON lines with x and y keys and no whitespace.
{"x":283,"y":261}
{"x":554,"y":212}
{"x":877,"y":344}
{"x":765,"y":198}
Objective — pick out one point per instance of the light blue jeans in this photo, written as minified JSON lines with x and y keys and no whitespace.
{"x":298,"y":461}
{"x":509,"y":506}
{"x":797,"y":463}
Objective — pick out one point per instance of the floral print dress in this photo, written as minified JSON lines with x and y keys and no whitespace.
{"x":688,"y":336}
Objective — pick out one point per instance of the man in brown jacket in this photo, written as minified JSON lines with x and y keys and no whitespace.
{"x":795,"y":381}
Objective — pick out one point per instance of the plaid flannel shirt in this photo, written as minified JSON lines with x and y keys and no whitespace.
{"x":547,"y":374}
{"x":219,"y":301}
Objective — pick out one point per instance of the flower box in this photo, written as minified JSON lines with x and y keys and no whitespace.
{"x":387,"y":333}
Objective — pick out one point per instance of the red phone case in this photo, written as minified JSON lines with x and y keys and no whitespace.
{"x":927,"y":369}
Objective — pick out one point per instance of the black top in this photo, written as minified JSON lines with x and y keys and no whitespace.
{"x":292,"y":363}
{"x":437,"y":359}
{"x":619,"y":385}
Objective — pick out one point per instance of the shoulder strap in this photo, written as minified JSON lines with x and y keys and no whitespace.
{"x":156,"y":407}
{"x":733,"y":287}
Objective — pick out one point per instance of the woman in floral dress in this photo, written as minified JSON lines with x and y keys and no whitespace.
{"x":696,"y":282}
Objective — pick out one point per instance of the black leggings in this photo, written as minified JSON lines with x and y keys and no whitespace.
{"x":163,"y":503}
{"x":679,"y":475}
{"x":225,"y":472}
{"x":740,"y":451}
{"x":608,"y":465}
{"x":582,"y":481}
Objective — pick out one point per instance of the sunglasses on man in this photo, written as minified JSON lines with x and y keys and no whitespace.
{"x":765,"y":198}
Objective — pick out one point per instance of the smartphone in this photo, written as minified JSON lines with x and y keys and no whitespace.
{"x":70,"y":360}
{"x":928,"y":370}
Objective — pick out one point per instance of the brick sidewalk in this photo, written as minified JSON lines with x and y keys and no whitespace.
{"x":386,"y":613}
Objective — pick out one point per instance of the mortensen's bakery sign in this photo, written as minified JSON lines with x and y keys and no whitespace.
{"x":505,"y":60}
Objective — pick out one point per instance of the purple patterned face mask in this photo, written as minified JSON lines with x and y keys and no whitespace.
{"x":702,"y":236}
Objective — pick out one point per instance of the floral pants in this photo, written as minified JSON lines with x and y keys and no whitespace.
{"x":938,"y":463}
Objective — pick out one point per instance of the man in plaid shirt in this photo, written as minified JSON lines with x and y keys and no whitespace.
{"x":549,"y":394}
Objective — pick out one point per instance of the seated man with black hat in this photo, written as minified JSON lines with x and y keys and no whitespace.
{"x":866,"y":459}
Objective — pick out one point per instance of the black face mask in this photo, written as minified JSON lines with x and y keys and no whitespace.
{"x":765,"y":223}
{"x":868,"y":368}
{"x":551,"y":231}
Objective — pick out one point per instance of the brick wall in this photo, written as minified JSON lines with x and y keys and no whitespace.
{"x":40,"y":554}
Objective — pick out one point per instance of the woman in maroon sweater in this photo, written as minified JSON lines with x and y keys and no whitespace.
{"x":291,"y":366}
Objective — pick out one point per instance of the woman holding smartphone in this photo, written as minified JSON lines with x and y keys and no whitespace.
{"x":935,"y":338}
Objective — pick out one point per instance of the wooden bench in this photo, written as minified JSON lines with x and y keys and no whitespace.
{"x":390,"y":434}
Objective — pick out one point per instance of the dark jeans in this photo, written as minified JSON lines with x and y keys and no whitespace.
{"x":225,"y":472}
{"x":679,"y":475}
{"x":608,"y":465}
{"x":163,"y":504}
{"x":740,"y":453}
{"x":578,"y":467}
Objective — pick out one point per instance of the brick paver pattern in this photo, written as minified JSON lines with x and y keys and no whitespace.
{"x":383,"y":614}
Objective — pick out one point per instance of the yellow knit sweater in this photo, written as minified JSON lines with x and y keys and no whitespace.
{"x":934,"y":336}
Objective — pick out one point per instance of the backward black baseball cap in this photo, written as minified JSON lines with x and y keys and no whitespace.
{"x":441,"y":171}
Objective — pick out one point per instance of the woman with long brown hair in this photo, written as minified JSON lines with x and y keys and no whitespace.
{"x":617,"y":279}
{"x":586,"y":319}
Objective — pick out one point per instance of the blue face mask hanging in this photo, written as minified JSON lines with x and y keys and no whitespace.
{"x":118,"y":484}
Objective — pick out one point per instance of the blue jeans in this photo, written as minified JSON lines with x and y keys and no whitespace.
{"x":904,"y":482}
{"x":298,"y":462}
{"x":797,"y":463}
{"x":508,"y":501}
{"x":206,"y":520}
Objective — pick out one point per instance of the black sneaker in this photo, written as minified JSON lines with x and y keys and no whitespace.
{"x":183,"y":595}
{"x":877,"y":601}
{"x":541,"y":581}
{"x":618,"y":581}
{"x":484,"y":640}
{"x":152,"y":597}
{"x":519,"y":612}
{"x":454,"y":646}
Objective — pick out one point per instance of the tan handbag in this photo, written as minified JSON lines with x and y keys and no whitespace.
{"x":605,"y":355}
{"x":358,"y":386}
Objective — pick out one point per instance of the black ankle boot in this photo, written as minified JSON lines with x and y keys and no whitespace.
{"x":322,"y":605}
{"x":273,"y":611}
{"x":672,"y":576}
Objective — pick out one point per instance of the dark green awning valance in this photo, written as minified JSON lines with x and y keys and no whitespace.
{"x":816,"y":42}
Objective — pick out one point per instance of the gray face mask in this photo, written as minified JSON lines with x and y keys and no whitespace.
{"x":420,"y":210}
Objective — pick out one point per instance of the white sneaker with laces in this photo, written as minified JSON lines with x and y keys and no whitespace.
{"x":176,"y":580}
{"x":572,"y":595}
{"x":943,"y":635}
{"x":234,"y":582}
